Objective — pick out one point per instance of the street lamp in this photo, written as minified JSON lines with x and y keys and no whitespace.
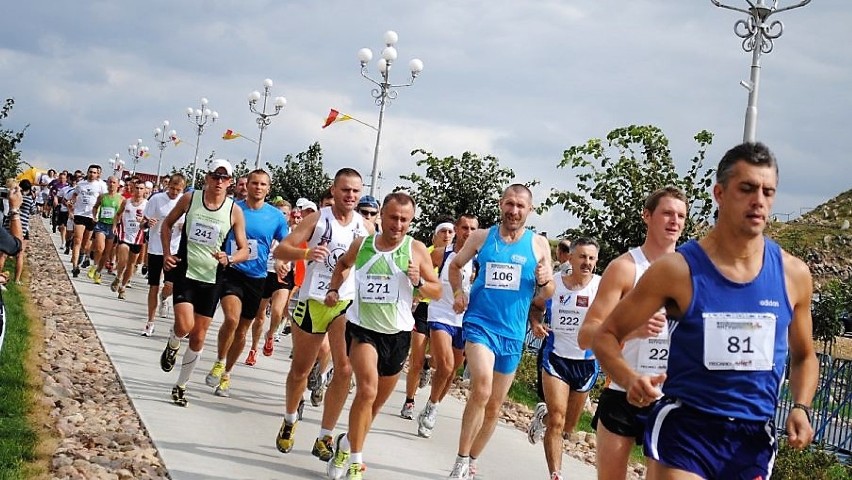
{"x":163,"y":139}
{"x":384,"y":93}
{"x":117,"y":165}
{"x":136,"y":152}
{"x":200,"y":117}
{"x":263,"y":118}
{"x":758,"y":36}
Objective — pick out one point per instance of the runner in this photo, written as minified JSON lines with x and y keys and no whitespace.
{"x":619,"y":424}
{"x":102,"y":239}
{"x":57,"y":202}
{"x":514,"y":260}
{"x":568,"y":372}
{"x":563,"y":252}
{"x":445,"y":325}
{"x":199,"y":263}
{"x":243,"y":283}
{"x":129,"y":236}
{"x":329,"y":234}
{"x":86,"y":193}
{"x":387,"y":268}
{"x":159,"y":206}
{"x":739,"y":303}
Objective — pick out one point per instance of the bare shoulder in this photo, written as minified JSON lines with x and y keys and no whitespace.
{"x":800,"y":283}
{"x":477,"y":238}
{"x":795,"y":267}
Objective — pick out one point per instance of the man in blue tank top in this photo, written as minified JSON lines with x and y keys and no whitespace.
{"x":512,"y":262}
{"x":740,"y":304}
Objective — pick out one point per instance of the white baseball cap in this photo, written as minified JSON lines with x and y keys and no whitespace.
{"x":149,"y":185}
{"x":300,"y":203}
{"x":221,"y":163}
{"x":308,"y":205}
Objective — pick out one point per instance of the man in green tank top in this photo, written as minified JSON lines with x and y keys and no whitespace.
{"x":102,"y":239}
{"x":198,"y":264}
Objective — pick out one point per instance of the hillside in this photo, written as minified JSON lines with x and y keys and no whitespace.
{"x":821,"y":237}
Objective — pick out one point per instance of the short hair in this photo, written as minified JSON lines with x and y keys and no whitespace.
{"x":654,"y":198}
{"x":326,"y":194}
{"x":564,"y":246}
{"x":443,"y":219}
{"x":283,"y":203}
{"x":51,"y":172}
{"x":401,"y":198}
{"x":95,"y":166}
{"x":346,"y":172}
{"x":25,"y":185}
{"x":756,"y":154}
{"x":468,"y":216}
{"x":178,"y":176}
{"x":517,"y":188}
{"x":258,"y":171}
{"x":583,"y":241}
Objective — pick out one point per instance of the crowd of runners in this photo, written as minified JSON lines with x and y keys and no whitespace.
{"x":693,"y":339}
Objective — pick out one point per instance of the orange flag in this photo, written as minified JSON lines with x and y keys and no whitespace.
{"x":334,"y":116}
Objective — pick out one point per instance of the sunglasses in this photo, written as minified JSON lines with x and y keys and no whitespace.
{"x":219,"y":176}
{"x":368,"y":213}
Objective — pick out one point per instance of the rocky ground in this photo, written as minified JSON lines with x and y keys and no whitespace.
{"x":100,"y":435}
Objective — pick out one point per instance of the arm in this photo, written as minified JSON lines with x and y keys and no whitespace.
{"x":454,"y":274}
{"x":437,"y":256}
{"x":238,"y":226}
{"x":534,"y":316}
{"x":117,"y":219}
{"x":421,"y":269}
{"x":11,"y":244}
{"x":289,"y":250}
{"x":543,"y":272}
{"x":804,"y":367}
{"x":616,"y":281}
{"x":97,"y":206}
{"x":341,"y":271}
{"x":169,"y":260}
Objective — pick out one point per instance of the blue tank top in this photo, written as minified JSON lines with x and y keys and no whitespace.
{"x":728,"y":352}
{"x":263,"y":225}
{"x":503,"y":289}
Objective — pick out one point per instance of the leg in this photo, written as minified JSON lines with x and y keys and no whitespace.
{"x":153,"y":301}
{"x":79,"y":230}
{"x":128,"y":269}
{"x":616,"y":450}
{"x":279,"y":310}
{"x":364,"y":358}
{"x":238,"y":344}
{"x":443,"y":359}
{"x":480,"y":364}
{"x":231,"y":306}
{"x":499,"y":389}
{"x":415,"y":364}
{"x":19,"y":261}
{"x":556,"y":394}
{"x":257,"y":323}
{"x":305,"y":348}
{"x":122,"y":254}
{"x":576,"y":402}
{"x":658,"y":471}
{"x":338,"y":389}
{"x":98,"y":241}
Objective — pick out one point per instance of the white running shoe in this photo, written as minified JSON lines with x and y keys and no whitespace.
{"x":407,"y":411}
{"x":460,"y":470}
{"x":149,"y":330}
{"x":535,"y":432}
{"x":163,"y":309}
{"x":426,"y":420}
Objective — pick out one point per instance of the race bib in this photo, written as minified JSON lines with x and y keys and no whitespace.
{"x":204,"y":234}
{"x":252,"y":246}
{"x":653,"y":355}
{"x":739,"y":341}
{"x":378,"y":289}
{"x":566,"y":322}
{"x":107,"y":213}
{"x":503,"y":276}
{"x":319,"y":284}
{"x":132,"y":229}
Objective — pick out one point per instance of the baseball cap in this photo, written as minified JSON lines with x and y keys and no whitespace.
{"x":277,"y":200}
{"x":149,"y":185}
{"x":309,"y":205}
{"x":368,"y":201}
{"x":300,"y":203}
{"x":221,"y":163}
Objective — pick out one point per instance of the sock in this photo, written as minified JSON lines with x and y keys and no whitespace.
{"x":291,"y":418}
{"x":174,"y":341}
{"x":323,"y":433}
{"x":220,"y":360}
{"x":356,"y":457}
{"x":409,"y":400}
{"x":472,"y":461}
{"x":190,"y":359}
{"x":463,"y":459}
{"x":344,"y":443}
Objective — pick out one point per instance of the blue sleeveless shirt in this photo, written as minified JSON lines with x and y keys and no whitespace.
{"x":501,"y":294}
{"x":728,"y":351}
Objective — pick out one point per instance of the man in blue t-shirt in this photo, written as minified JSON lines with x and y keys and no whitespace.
{"x":739,"y":304}
{"x":242,"y":288}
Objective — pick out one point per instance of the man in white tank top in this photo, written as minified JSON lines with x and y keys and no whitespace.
{"x":616,"y":421}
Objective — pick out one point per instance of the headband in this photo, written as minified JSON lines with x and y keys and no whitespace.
{"x":445,"y":226}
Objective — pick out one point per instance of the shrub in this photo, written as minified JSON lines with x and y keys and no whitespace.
{"x":815,"y":463}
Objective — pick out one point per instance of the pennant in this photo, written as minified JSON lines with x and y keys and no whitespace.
{"x":146,"y":155}
{"x":335,"y":116}
{"x":177,"y":141}
{"x":230,"y":135}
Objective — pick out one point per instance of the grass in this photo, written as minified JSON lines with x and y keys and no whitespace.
{"x":19,"y":438}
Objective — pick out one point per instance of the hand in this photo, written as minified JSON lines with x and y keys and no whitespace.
{"x":16,"y":199}
{"x":152,"y":222}
{"x":460,"y":303}
{"x":414,"y":272}
{"x":800,"y":433}
{"x":170,"y":262}
{"x":540,"y":330}
{"x":654,"y":326}
{"x":542,"y":274}
{"x":644,"y":390}
{"x":331,"y":298}
{"x":282,"y":269}
{"x":318,"y":253}
{"x":221,"y":257}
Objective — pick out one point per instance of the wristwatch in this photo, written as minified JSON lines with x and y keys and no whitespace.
{"x":13,"y":212}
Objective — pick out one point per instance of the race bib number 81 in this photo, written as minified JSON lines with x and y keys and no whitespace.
{"x":503,"y":276}
{"x":739,"y":341}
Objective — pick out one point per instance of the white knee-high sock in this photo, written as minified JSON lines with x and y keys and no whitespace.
{"x":190,"y":360}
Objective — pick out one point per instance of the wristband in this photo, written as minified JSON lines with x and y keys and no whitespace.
{"x":804,"y":408}
{"x":307,"y":253}
{"x":332,"y":290}
{"x":13,"y":212}
{"x":457,"y":293}
{"x":540,"y":285}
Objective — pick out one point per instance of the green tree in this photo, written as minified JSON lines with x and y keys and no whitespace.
{"x":452,"y":186}
{"x":186,"y":170}
{"x":831,"y":303}
{"x":302,"y":176}
{"x":10,"y":156}
{"x":615,"y":177}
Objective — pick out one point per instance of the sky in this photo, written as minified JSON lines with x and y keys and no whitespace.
{"x":522,"y":81}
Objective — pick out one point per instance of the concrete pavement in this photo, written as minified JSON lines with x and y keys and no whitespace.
{"x":233,"y":438}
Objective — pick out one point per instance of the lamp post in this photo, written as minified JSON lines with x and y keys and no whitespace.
{"x":117,"y":165}
{"x":385,"y":91}
{"x":264,"y":118}
{"x":758,"y":35}
{"x":163,"y":139}
{"x":136,"y":152}
{"x":200,"y":117}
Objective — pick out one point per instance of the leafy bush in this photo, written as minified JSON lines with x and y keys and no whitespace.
{"x":814,"y":463}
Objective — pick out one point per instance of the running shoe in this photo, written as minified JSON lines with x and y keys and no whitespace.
{"x":168,"y":358}
{"x":224,"y":387}
{"x":315,"y":378}
{"x":535,"y":432}
{"x":67,"y":250}
{"x":460,"y":470}
{"x":212,"y":378}
{"x":163,"y":309}
{"x":268,"y":347}
{"x":324,"y":448}
{"x":129,"y":284}
{"x":277,"y":337}
{"x":251,"y":359}
{"x":91,"y":272}
{"x":355,"y":472}
{"x":556,"y":476}
{"x":286,"y":330}
{"x":144,"y":270}
{"x":338,"y":464}
{"x":121,"y":295}
{"x":97,"y":278}
{"x":286,"y":437}
{"x":425,"y":374}
{"x":75,"y":272}
{"x":148,"y":331}
{"x":317,"y":396}
{"x":407,"y":411}
{"x":301,"y":410}
{"x":471,"y":469}
{"x":179,"y":395}
{"x":114,"y":285}
{"x":426,"y":420}
{"x":85,"y":263}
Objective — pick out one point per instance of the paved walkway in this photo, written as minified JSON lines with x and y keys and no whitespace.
{"x":233,"y":438}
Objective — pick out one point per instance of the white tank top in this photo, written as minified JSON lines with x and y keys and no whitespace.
{"x":647,"y":356}
{"x":569,"y":309}
{"x":337,"y":238}
{"x":441,"y":310}
{"x":130,"y":230}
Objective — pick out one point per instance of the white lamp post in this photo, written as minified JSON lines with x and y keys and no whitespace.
{"x":136,"y":152}
{"x":163,"y":136}
{"x":200,"y":117}
{"x":264,"y":118}
{"x":385,"y":91}
{"x":117,"y":165}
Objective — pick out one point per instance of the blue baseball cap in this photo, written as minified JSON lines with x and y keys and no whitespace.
{"x":368,"y":201}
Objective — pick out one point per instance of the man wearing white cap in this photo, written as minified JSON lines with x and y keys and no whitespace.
{"x":199,"y":264}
